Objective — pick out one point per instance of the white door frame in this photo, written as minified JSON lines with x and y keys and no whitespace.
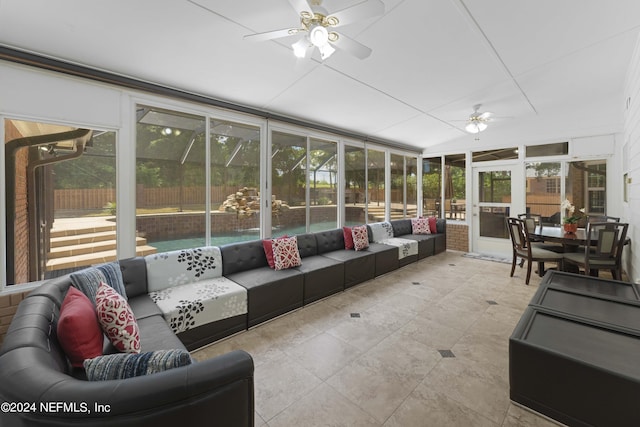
{"x":491,"y":245}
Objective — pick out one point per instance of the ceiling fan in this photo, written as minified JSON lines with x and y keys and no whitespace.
{"x":477,"y":121}
{"x":317,"y":25}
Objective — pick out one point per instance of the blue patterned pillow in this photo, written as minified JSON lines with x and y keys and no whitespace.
{"x":89,"y":279}
{"x":119,"y":366}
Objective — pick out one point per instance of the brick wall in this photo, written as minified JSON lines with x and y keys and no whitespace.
{"x":8,"y":306}
{"x":458,"y":237}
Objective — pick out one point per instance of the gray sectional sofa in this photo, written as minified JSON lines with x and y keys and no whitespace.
{"x":184,"y":300}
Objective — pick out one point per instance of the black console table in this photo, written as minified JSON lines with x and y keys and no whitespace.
{"x":575,"y":354}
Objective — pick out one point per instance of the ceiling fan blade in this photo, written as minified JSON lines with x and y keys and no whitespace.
{"x":355,"y":48}
{"x":301,"y":6}
{"x":269,"y":35}
{"x":485,"y":116}
{"x":366,"y":9}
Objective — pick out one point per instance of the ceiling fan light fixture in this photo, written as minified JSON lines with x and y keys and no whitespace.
{"x":326,"y":51}
{"x":300,"y":47}
{"x":319,"y":36}
{"x":475,"y":127}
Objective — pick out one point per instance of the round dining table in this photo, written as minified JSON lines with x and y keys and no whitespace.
{"x":556,"y":234}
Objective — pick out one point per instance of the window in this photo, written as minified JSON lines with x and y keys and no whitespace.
{"x":323,"y":209}
{"x":431,"y":186}
{"x":170,"y":178}
{"x":355,"y":182}
{"x":455,"y":187}
{"x":543,"y":150}
{"x":235,"y":181}
{"x":586,"y":186}
{"x":397,"y":186}
{"x":411,"y":179}
{"x":61,"y":178}
{"x":490,"y":155}
{"x":543,"y":190}
{"x":288,"y":183}
{"x":376,"y":179}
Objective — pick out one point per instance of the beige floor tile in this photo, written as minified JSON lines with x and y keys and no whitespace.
{"x":520,"y":417}
{"x":426,"y":407}
{"x":360,"y":333}
{"x":279,"y":383}
{"x":324,"y":406}
{"x":261,"y":349}
{"x":472,"y":385}
{"x":433,"y":334}
{"x":323,"y":355}
{"x":374,"y":387}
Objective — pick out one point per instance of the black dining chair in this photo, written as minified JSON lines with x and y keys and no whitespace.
{"x":522,"y":248}
{"x":531,"y":221}
{"x":606,"y":254}
{"x":602,"y":218}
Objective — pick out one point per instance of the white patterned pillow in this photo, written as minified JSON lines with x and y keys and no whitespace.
{"x":117,"y":320}
{"x":360,"y":237}
{"x":184,"y":266}
{"x":420,"y":226}
{"x":286,"y":253}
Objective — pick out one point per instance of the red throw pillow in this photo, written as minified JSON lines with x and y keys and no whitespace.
{"x":117,"y":319}
{"x":432,"y":224}
{"x":267,"y":244}
{"x":78,"y":330}
{"x":348,"y":238}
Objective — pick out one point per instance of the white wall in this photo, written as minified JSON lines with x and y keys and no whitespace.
{"x":631,"y":162}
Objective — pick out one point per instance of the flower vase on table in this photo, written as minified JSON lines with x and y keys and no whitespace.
{"x":570,"y":228}
{"x":571,"y":218}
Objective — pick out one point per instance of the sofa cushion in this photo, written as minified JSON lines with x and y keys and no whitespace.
{"x":242,"y":256}
{"x":117,"y":320}
{"x":401,"y":227}
{"x":122,"y":365}
{"x":348,"y":237}
{"x":330,"y":240}
{"x":184,"y":266}
{"x":79,"y":332}
{"x":186,"y":307}
{"x":381,"y":231}
{"x":433,"y":224}
{"x":420,"y":226}
{"x":307,"y":245}
{"x":285,"y":253}
{"x":360,"y":237}
{"x":406,"y":247}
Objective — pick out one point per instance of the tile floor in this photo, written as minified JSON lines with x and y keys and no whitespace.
{"x":376,"y":354}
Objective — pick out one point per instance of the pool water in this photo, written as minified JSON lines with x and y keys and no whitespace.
{"x":219,"y":240}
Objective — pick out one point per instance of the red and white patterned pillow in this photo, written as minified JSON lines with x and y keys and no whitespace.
{"x":117,"y":320}
{"x":420,"y":226}
{"x":286,"y":253}
{"x":360,"y":237}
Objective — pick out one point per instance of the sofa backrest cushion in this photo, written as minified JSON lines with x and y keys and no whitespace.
{"x":441,"y":225}
{"x":242,"y":256}
{"x":134,"y":276}
{"x":381,"y":231}
{"x":307,"y":245}
{"x":401,"y":227}
{"x":330,"y":240}
{"x":167,"y":269}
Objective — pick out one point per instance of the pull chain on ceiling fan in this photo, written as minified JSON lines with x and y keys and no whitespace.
{"x":317,"y":26}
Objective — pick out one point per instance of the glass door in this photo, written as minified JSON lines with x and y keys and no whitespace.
{"x":494,"y":199}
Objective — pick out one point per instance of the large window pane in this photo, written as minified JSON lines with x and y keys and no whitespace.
{"x":355,"y":166}
{"x":170,"y":178}
{"x":323,"y":210}
{"x":412,"y":186}
{"x":376,"y":177}
{"x":288,"y":175}
{"x":397,"y":186}
{"x":235,"y":182}
{"x":543,"y":190}
{"x":586,"y":186}
{"x":431,"y":186}
{"x":455,"y":187}
{"x":60,"y":188}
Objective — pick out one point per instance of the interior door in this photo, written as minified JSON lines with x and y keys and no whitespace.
{"x":495,"y":197}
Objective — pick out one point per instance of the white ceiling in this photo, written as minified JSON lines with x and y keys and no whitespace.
{"x":549,"y":70}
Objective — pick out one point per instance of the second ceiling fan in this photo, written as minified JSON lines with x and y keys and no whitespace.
{"x":317,"y":28}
